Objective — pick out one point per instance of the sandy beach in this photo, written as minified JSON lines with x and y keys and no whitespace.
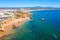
{"x":11,"y":25}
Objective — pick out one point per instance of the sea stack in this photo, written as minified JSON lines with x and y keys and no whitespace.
{"x":42,"y":19}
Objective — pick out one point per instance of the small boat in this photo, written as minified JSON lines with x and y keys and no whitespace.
{"x":42,"y":19}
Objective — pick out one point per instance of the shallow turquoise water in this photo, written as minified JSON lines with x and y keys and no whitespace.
{"x":36,"y":29}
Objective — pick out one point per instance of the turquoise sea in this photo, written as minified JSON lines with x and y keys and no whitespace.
{"x":36,"y":29}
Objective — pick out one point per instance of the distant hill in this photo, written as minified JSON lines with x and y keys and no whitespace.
{"x":31,"y":8}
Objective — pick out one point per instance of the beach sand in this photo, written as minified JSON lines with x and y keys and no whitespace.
{"x":11,"y":25}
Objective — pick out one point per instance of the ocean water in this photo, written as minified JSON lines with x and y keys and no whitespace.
{"x":36,"y":29}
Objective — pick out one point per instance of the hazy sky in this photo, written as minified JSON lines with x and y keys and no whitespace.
{"x":29,"y":3}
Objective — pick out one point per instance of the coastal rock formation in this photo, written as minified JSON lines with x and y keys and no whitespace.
{"x":11,"y":19}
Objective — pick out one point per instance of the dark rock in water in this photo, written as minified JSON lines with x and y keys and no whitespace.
{"x":30,"y":17}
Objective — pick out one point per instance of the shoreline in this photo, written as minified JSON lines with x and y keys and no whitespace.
{"x":42,"y":10}
{"x":11,"y":25}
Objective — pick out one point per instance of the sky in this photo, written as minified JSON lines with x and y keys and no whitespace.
{"x":29,"y":3}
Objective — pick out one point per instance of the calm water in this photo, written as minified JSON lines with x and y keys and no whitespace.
{"x":36,"y":29}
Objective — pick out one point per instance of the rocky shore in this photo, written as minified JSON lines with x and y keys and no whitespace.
{"x":7,"y":25}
